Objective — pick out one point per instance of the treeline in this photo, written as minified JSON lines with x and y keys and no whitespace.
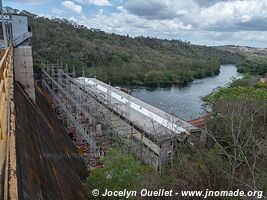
{"x":255,"y":65}
{"x":123,"y":59}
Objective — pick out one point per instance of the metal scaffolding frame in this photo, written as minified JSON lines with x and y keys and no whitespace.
{"x":87,"y":125}
{"x":94,"y":121}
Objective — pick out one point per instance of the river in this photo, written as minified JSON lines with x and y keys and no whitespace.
{"x":186,"y":102}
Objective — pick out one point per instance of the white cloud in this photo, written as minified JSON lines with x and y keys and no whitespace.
{"x":211,"y":22}
{"x":228,"y":15}
{"x":246,"y":18}
{"x":95,"y":2}
{"x":223,"y":22}
{"x":72,"y":7}
{"x":245,"y":38}
{"x":100,"y":11}
{"x":158,"y":9}
{"x":233,"y":15}
{"x":120,"y":8}
{"x":57,"y":11}
{"x":74,"y":19}
{"x":45,"y":15}
{"x":124,"y":22}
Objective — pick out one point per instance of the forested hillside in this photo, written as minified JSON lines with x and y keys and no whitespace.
{"x":122,"y":59}
{"x":255,"y":61}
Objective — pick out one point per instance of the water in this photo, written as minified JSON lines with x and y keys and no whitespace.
{"x":185,"y":102}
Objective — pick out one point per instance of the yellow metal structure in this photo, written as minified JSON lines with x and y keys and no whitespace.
{"x":5,"y":66}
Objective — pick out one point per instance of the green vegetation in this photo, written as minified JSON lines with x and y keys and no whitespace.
{"x":191,"y":170}
{"x":256,"y":65}
{"x":261,"y":85}
{"x":121,"y":171}
{"x":246,"y":81}
{"x":234,"y":157}
{"x":138,"y":61}
{"x":238,"y":93}
{"x":122,"y":59}
{"x":238,"y":130}
{"x":254,"y":62}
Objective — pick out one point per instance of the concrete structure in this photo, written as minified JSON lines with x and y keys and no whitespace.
{"x":23,"y":63}
{"x":23,"y":66}
{"x":156,"y":132}
{"x":20,"y":30}
{"x":96,"y":114}
{"x":37,"y":158}
{"x":138,"y":111}
{"x":20,"y":61}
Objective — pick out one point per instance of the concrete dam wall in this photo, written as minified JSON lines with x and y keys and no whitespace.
{"x":49,"y":166}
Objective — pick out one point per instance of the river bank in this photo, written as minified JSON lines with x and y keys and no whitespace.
{"x":186,"y":102}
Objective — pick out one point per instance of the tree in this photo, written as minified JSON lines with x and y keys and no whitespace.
{"x":238,"y":128}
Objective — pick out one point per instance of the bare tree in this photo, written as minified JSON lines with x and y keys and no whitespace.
{"x":238,"y":130}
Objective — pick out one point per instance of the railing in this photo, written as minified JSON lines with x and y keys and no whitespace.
{"x":5,"y":66}
{"x":7,"y":125}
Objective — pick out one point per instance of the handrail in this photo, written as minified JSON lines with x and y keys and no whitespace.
{"x":4,"y":75}
{"x":6,"y":110}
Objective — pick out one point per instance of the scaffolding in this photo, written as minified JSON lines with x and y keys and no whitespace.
{"x":79,"y":112}
{"x":96,"y":116}
{"x":67,"y":103}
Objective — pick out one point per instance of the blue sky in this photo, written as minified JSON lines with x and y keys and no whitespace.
{"x":209,"y":22}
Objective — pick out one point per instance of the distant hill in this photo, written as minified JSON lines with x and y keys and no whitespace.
{"x":255,"y":61}
{"x":245,"y":50}
{"x":123,"y":59}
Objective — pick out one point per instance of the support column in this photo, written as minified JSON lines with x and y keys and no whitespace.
{"x":23,"y":66}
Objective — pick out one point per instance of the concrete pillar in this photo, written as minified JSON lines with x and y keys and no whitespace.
{"x":23,"y":68}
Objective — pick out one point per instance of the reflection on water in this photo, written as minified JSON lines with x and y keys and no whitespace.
{"x":185,"y":102}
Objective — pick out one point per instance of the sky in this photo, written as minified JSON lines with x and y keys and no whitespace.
{"x":208,"y":22}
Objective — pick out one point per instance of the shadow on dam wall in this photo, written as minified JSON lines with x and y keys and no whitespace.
{"x":48,"y":165}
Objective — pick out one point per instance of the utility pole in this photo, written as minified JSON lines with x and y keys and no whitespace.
{"x":3,"y":25}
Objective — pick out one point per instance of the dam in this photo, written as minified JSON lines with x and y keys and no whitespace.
{"x":97,"y":113}
{"x":54,"y":130}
